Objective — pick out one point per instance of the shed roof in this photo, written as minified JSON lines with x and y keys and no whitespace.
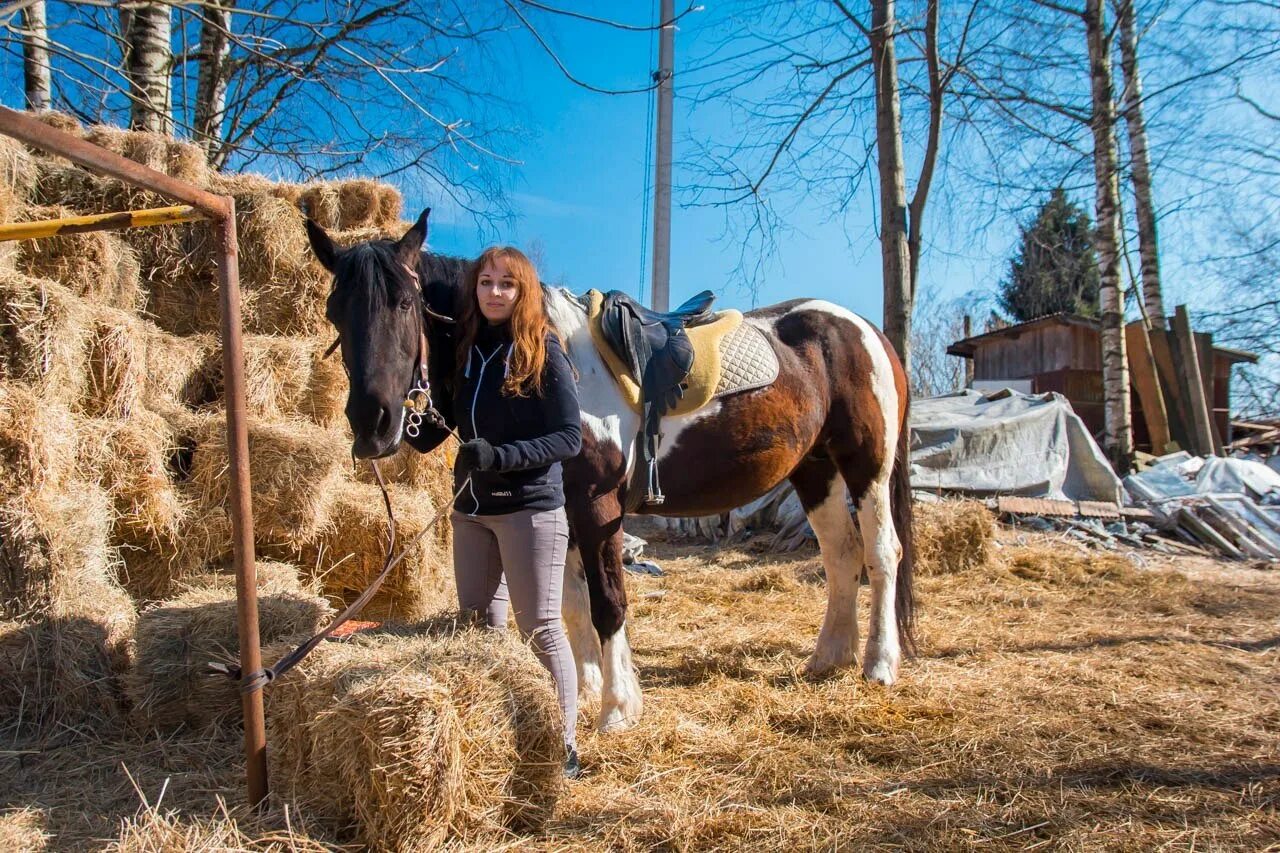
{"x":966,"y":347}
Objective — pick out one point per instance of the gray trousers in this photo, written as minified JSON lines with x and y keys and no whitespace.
{"x":518,"y":559}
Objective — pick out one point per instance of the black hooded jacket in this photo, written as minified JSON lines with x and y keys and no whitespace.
{"x":530,"y":435}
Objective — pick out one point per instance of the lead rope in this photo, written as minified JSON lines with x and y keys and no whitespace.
{"x":260,"y":679}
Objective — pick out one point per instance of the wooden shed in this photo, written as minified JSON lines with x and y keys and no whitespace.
{"x":1063,"y":353}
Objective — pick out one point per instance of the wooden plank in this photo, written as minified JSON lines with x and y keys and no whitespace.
{"x":1099,"y":509}
{"x":1016,"y":505}
{"x":1142,"y":374}
{"x":1137,"y":513}
{"x":1175,"y":406}
{"x":1188,"y":520}
{"x":99,"y":222}
{"x":1188,"y":364}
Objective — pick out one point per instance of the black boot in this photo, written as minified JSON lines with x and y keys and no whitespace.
{"x":572,"y":767}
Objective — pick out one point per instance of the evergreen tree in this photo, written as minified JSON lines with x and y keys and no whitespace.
{"x":1056,"y":268}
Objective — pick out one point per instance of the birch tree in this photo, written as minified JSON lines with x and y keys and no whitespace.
{"x":148,"y":33}
{"x":1118,"y":436}
{"x":37,"y":75}
{"x":213,"y":78}
{"x":1140,"y":166}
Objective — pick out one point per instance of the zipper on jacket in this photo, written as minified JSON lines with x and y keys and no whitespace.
{"x":475,"y":398}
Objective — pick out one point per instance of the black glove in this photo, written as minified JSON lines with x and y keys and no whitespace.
{"x":477,"y":455}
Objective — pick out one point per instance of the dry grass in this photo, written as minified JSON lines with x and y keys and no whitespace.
{"x":178,"y":369}
{"x":44,"y":337}
{"x":169,"y":686}
{"x":412,"y":740}
{"x":348,"y":553}
{"x":1137,"y":711}
{"x":37,"y":440}
{"x":296,"y":471}
{"x":22,"y":831}
{"x":117,"y":367}
{"x":952,"y":536}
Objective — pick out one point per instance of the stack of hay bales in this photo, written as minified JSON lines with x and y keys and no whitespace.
{"x":112,"y":436}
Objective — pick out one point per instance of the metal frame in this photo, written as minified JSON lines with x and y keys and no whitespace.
{"x":220,"y":211}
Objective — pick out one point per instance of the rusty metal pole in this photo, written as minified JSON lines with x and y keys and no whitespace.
{"x":241,"y":505}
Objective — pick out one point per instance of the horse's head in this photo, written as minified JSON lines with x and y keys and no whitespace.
{"x":377,"y":307}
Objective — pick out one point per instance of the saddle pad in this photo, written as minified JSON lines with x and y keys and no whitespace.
{"x":747,"y":361}
{"x":705,"y":378}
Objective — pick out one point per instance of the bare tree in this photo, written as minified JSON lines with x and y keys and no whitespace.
{"x":35,"y":56}
{"x":895,"y":253}
{"x":214,"y":76}
{"x":1118,"y":428}
{"x":149,"y":35}
{"x":1140,"y":165}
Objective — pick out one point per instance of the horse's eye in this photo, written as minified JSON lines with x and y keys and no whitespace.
{"x":406,"y":304}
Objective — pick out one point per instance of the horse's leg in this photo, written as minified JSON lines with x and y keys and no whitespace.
{"x":599,"y":528}
{"x":883,"y":551}
{"x":822,"y":494}
{"x":576,"y":610}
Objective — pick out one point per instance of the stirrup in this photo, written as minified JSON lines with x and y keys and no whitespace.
{"x":653,"y":492}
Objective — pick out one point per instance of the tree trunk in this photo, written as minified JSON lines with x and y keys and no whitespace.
{"x":148,"y":35}
{"x":1115,"y":369}
{"x":35,"y":57}
{"x":894,"y":251}
{"x":1148,"y":246}
{"x":921,"y":196}
{"x":211,"y":86}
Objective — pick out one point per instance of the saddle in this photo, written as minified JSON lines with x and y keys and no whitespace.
{"x":666,"y":363}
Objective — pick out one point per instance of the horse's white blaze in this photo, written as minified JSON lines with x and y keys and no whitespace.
{"x":576,"y":611}
{"x":621,"y":701}
{"x":881,"y":547}
{"x":841,"y":549}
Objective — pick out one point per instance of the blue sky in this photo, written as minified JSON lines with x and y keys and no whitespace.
{"x":579,"y":193}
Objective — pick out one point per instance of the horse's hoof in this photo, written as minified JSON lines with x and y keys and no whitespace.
{"x":822,"y":666}
{"x":881,"y":672}
{"x":615,"y":720}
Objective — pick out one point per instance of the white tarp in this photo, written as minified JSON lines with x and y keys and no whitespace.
{"x":1010,"y":444}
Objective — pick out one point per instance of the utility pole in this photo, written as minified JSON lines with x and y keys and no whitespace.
{"x":661,"y":287}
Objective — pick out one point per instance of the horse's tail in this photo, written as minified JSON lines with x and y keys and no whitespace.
{"x":900,"y":505}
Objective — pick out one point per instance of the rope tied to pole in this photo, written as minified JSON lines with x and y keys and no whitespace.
{"x":250,"y":682}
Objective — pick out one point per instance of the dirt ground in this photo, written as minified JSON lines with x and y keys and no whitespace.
{"x":1060,"y":699}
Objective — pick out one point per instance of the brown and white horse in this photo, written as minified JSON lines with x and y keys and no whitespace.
{"x":833,"y":423}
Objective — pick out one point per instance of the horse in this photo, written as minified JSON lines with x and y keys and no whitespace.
{"x":833,"y":423}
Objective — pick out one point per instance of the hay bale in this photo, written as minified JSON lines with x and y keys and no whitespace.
{"x":349,"y":552}
{"x":117,"y":364}
{"x":38,"y":441}
{"x":177,"y":373}
{"x":286,"y":378}
{"x":296,"y":470}
{"x":44,"y":337}
{"x":286,"y":289}
{"x":17,"y":178}
{"x":136,"y":460}
{"x":71,"y":625}
{"x":418,"y":739}
{"x":319,"y":201}
{"x":952,"y":536}
{"x":180,"y":160}
{"x":23,"y":830}
{"x":54,"y":545}
{"x":97,"y":265}
{"x":169,"y":685}
{"x":432,"y":472}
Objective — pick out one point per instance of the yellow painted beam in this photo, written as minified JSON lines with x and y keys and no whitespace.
{"x":99,"y":222}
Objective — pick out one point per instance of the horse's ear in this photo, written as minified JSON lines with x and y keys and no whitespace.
{"x":411,"y":243}
{"x":322,"y":245}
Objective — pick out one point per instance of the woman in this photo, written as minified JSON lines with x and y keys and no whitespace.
{"x":515,"y":401}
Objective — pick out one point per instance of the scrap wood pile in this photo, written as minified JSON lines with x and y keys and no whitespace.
{"x":1230,"y":505}
{"x":115,"y":540}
